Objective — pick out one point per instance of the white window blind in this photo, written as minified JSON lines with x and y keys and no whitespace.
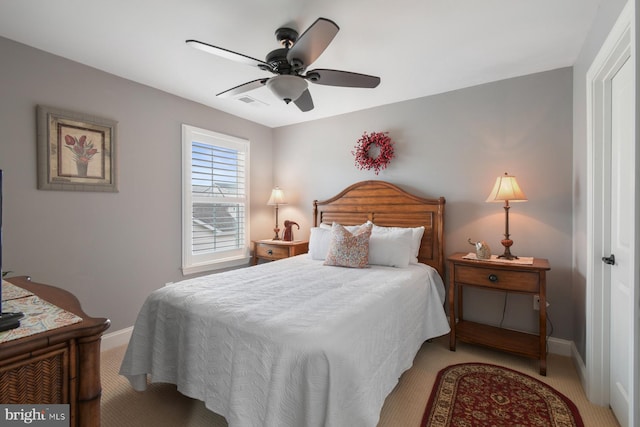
{"x":215,"y":200}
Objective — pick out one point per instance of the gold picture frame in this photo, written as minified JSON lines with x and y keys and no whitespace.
{"x":76,"y":151}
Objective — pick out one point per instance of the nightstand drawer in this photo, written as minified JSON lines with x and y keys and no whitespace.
{"x":498,"y":279}
{"x":272,"y":251}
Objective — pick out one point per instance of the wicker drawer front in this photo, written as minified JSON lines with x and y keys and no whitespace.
{"x":272,"y":251}
{"x":41,"y":379}
{"x":498,"y":279}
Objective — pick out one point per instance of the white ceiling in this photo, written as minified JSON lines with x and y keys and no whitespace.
{"x":416,"y":47}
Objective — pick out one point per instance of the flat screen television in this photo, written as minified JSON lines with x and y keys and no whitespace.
{"x":8,"y":320}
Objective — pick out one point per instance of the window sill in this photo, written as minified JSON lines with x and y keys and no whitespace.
{"x":216,"y":265}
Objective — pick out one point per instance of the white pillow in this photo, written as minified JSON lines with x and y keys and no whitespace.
{"x":319,"y":240}
{"x":416,"y":238}
{"x":350,"y":228}
{"x":391,"y":248}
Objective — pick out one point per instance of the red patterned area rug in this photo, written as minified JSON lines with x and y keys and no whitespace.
{"x":479,"y":395}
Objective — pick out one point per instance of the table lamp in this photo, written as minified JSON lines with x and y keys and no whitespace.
{"x":506,"y":188}
{"x":276,"y":199}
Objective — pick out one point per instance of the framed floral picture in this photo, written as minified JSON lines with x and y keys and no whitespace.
{"x":76,"y":151}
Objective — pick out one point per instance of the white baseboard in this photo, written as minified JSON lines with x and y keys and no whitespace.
{"x":581,"y":367}
{"x":560,"y":346}
{"x":569,"y":349}
{"x":116,"y":339}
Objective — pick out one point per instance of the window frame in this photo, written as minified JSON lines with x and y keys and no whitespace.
{"x":197,"y":263}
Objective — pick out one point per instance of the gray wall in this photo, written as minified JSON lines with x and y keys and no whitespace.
{"x":110,"y":250}
{"x":606,"y":17}
{"x":455,"y":145}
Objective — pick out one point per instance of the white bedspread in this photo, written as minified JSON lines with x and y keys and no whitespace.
{"x":290,"y":343}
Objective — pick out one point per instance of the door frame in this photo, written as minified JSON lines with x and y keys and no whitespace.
{"x":618,"y":47}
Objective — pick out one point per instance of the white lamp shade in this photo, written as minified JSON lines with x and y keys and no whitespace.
{"x":277,"y":197}
{"x":506,"y":188}
{"x":287,"y":87}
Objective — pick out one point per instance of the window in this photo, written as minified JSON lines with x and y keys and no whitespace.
{"x":215,"y":200}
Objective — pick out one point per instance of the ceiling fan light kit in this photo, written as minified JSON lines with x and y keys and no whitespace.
{"x":289,"y":64}
{"x":287,"y":87}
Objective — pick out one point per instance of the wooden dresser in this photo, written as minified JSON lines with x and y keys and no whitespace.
{"x":57,"y":366}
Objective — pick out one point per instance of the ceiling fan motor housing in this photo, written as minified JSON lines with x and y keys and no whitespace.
{"x":278,"y":61}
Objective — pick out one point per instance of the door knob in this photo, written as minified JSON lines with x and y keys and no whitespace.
{"x":611,"y":259}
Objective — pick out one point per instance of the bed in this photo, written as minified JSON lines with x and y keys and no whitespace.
{"x":296,"y":342}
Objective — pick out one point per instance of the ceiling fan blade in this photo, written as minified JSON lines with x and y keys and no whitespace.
{"x":312,"y":43}
{"x":304,"y":102}
{"x":229,"y":54}
{"x":244,"y":87}
{"x":342,"y":78}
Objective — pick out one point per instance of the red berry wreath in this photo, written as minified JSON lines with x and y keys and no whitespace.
{"x":384,"y":144}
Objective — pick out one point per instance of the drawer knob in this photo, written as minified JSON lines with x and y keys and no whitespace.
{"x":270,"y":251}
{"x":493,"y":278}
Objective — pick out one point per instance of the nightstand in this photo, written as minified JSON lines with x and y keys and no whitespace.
{"x":502,"y":276}
{"x":272,"y":250}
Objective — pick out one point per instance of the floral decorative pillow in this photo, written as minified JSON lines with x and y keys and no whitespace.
{"x":347,"y":249}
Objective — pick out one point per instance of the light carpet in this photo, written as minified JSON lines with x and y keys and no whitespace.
{"x":162,"y":405}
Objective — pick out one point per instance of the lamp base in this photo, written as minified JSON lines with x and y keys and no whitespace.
{"x":507,"y":251}
{"x":276,"y":237}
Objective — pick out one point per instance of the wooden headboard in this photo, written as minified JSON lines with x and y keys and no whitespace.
{"x":387,"y":205}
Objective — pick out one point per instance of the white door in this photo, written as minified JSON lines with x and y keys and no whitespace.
{"x":612,"y":342}
{"x":622,"y":242}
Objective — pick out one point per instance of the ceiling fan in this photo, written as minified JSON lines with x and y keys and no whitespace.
{"x":289,"y":65}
